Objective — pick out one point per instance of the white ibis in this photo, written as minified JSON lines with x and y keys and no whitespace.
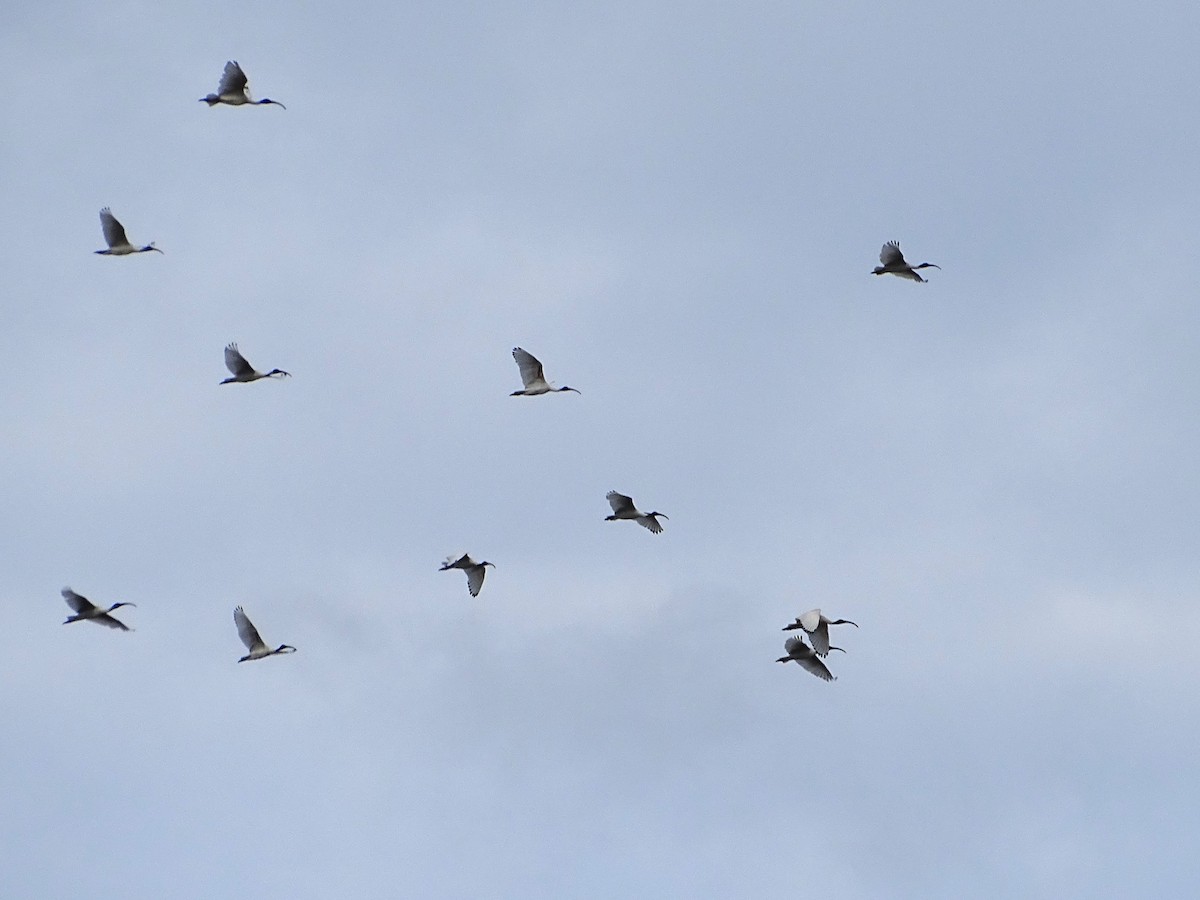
{"x":232,"y":90}
{"x":85,"y":610}
{"x":800,"y":652}
{"x":623,"y":508}
{"x":243,"y":371}
{"x":475,"y":570}
{"x":816,"y":625}
{"x":532,"y":376}
{"x":895,"y":264}
{"x":114,"y":236}
{"x":250,"y":637}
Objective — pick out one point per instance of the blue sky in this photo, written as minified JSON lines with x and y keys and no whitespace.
{"x":676,"y":208}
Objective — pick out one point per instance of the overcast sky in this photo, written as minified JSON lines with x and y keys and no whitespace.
{"x":676,"y":207}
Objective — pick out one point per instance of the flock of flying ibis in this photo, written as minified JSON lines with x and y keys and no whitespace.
{"x":233,"y":91}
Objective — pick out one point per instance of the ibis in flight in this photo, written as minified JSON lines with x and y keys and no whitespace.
{"x":816,"y":625}
{"x":533,"y":377}
{"x":85,"y":609}
{"x":232,"y":90}
{"x":475,"y":570}
{"x":800,"y":652}
{"x":243,"y":371}
{"x":623,"y":508}
{"x":895,"y":264}
{"x":250,"y":637}
{"x":114,"y":236}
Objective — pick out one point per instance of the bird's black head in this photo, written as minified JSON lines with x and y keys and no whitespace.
{"x":150,"y":247}
{"x":565,"y":388}
{"x":276,"y":102}
{"x":285,"y":648}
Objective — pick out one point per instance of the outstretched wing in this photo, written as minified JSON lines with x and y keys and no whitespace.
{"x":794,"y":645}
{"x":108,"y":620}
{"x":531,"y":369}
{"x":236,"y":363}
{"x":814,"y":665}
{"x":246,"y":630}
{"x":77,"y":602}
{"x":890,"y":255}
{"x":650,"y":522}
{"x":233,"y":79}
{"x":475,"y":579}
{"x":114,"y":234}
{"x":818,"y":631}
{"x":619,"y":503}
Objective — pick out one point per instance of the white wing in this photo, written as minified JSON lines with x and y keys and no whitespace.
{"x":820,"y":639}
{"x":890,"y":255}
{"x":77,"y":602}
{"x":233,"y":79}
{"x":650,"y":522}
{"x":108,"y":620}
{"x":814,"y":665}
{"x":810,"y":620}
{"x":246,"y":630}
{"x":794,"y":645}
{"x":475,"y":579}
{"x":818,"y":631}
{"x":114,"y":233}
{"x":619,"y":503}
{"x":531,"y":369}
{"x":236,"y":363}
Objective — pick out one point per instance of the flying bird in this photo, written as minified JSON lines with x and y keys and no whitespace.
{"x":250,"y":637}
{"x":232,"y":90}
{"x":86,"y":609}
{"x":243,"y":371}
{"x":895,"y":264}
{"x":816,"y":626}
{"x":114,"y":236}
{"x":532,"y":376}
{"x":475,"y":570}
{"x":800,"y":652}
{"x":623,"y":508}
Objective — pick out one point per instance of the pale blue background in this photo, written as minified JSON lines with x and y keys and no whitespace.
{"x":676,"y":207}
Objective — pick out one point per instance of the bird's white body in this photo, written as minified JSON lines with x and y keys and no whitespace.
{"x":533,"y":377}
{"x":475,"y":570}
{"x":254,"y":643}
{"x":816,"y":625}
{"x":799,"y":652}
{"x":893,"y":263}
{"x":234,"y":89}
{"x":85,"y":610}
{"x":623,"y":508}
{"x":114,"y":236}
{"x":243,"y":371}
